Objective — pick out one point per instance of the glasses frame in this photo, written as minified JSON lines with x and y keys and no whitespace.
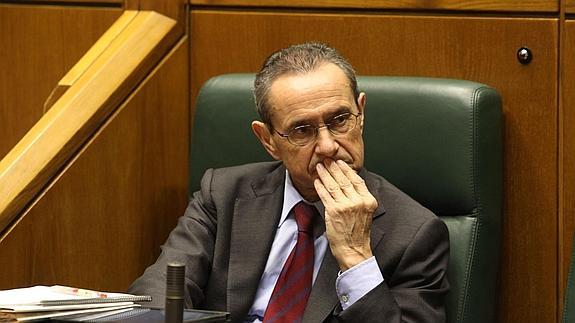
{"x":325,"y":125}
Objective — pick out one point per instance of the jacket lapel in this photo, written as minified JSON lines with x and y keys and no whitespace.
{"x":323,"y":298}
{"x":374,"y":186}
{"x":254,"y":226}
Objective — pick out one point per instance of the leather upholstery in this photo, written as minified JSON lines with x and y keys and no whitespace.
{"x":438,"y":140}
{"x":569,"y":307}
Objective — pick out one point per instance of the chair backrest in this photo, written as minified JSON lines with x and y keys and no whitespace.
{"x":438,"y":140}
{"x":569,"y":306}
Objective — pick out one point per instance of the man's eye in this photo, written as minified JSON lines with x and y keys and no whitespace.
{"x":301,"y":131}
{"x":339,"y":120}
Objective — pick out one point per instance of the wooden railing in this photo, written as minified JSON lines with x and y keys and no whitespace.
{"x":80,"y":104}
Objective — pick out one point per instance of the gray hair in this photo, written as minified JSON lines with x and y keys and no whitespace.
{"x":299,"y":59}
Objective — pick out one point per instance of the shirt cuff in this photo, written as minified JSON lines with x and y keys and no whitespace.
{"x":354,"y":283}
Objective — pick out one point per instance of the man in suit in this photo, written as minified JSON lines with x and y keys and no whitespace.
{"x":369,"y":254}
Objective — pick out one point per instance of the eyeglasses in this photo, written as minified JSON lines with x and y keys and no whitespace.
{"x":338,"y":125}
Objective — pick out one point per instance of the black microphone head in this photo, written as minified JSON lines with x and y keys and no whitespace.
{"x":175,"y":280}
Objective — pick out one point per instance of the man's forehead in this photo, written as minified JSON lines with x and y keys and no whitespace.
{"x":295,"y":88}
{"x":312,"y":85}
{"x":327,"y":75}
{"x":319,"y":95}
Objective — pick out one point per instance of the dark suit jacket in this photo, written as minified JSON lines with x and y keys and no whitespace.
{"x":228,"y":229}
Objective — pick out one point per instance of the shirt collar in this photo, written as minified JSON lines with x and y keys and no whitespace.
{"x":291,"y":198}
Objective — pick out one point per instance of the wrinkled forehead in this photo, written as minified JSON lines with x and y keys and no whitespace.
{"x":328,"y":82}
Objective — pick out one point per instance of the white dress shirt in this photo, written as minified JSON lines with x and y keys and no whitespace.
{"x":351,"y":285}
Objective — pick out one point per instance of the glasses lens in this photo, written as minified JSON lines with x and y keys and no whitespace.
{"x":301,"y":135}
{"x":339,"y":125}
{"x":342,"y":123}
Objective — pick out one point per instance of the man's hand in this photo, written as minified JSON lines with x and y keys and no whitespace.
{"x":349,"y":208}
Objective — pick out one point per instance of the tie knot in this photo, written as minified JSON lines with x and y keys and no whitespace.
{"x":304,"y":214}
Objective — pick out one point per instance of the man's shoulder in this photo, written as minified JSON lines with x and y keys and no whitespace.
{"x":250,"y":170}
{"x":246,"y":178}
{"x":404,"y":220}
{"x":395,"y":201}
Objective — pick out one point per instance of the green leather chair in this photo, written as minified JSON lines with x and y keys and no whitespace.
{"x":569,"y":306}
{"x":438,"y":140}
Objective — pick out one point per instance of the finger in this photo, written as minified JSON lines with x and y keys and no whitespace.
{"x":323,"y":194}
{"x":329,"y":182}
{"x":356,"y":180}
{"x":342,"y":179}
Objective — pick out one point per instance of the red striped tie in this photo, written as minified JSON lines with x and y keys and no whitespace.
{"x":293,"y":287}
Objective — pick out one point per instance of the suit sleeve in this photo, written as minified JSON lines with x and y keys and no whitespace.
{"x":416,"y":290}
{"x":190,"y":243}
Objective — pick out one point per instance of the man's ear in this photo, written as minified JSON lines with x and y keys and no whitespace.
{"x":263,"y":133}
{"x":361,"y":100}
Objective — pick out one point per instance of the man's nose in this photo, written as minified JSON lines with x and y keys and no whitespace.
{"x":326,"y":144}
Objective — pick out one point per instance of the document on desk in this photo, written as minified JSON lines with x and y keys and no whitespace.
{"x":39,"y":316}
{"x":41,"y":302}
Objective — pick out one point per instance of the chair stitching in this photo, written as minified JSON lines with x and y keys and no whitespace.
{"x":474,"y":98}
{"x":463,"y":300}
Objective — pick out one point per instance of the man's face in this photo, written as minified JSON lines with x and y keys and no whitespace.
{"x":313,"y":99}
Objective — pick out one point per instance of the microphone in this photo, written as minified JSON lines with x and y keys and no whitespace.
{"x":175,"y":293}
